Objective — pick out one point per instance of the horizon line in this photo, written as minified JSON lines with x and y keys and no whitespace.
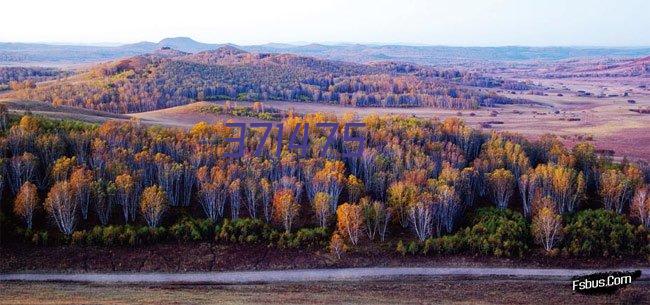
{"x":324,"y":43}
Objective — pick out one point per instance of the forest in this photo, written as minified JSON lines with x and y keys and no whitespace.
{"x":17,"y":78}
{"x":168,"y":78}
{"x":420,"y":187}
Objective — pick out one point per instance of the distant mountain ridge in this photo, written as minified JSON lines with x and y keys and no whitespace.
{"x":15,"y":53}
{"x":184,"y":44}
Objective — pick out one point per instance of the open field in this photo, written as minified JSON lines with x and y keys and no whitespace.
{"x":60,"y":112}
{"x":427,"y":290}
{"x":186,"y":116}
{"x":181,"y":116}
{"x":607,"y":121}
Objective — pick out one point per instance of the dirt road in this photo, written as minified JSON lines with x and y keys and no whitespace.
{"x":303,"y":275}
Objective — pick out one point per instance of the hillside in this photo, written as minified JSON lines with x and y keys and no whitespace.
{"x":181,"y":116}
{"x":632,"y":67}
{"x":188,"y":115}
{"x":21,"y":107}
{"x":22,"y":77}
{"x":168,"y":78}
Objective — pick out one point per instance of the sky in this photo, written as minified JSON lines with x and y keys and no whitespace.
{"x":414,"y":22}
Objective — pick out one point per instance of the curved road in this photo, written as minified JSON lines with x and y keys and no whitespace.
{"x":304,"y":275}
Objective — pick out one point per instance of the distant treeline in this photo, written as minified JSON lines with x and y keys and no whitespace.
{"x":16,"y":78}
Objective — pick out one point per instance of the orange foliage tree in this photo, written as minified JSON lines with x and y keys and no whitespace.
{"x":26,"y":202}
{"x":285,"y":208}
{"x":350,"y":221}
{"x":337,"y":245}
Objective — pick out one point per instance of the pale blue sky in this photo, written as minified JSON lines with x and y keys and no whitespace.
{"x":455,"y":22}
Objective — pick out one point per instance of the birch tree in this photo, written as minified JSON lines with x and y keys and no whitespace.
{"x":153,"y":205}
{"x":350,"y":221}
{"x":26,"y":202}
{"x":62,"y":207}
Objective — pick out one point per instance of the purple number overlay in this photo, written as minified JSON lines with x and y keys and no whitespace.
{"x":297,"y":140}
{"x":240,"y":140}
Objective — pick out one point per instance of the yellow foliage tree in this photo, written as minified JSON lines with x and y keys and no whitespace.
{"x":401,"y":195}
{"x":501,"y":181}
{"x":350,"y":221}
{"x":125,"y":186}
{"x":153,"y":205}
{"x":355,"y":188}
{"x":547,"y":226}
{"x":321,"y":206}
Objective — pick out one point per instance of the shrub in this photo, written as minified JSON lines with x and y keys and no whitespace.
{"x":126,"y":235}
{"x":493,"y":231}
{"x":40,"y":238}
{"x":599,"y":233}
{"x":244,"y":230}
{"x":78,"y":237}
{"x":147,"y":235}
{"x":448,"y":244}
{"x":310,"y":238}
{"x":401,"y":249}
{"x":497,"y":232}
{"x":189,"y":229}
{"x":642,"y":235}
{"x":94,"y":236}
{"x":31,"y":236}
{"x":252,"y":230}
{"x":412,"y":247}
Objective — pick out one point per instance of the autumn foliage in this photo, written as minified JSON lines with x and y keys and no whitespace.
{"x":154,"y":81}
{"x":285,"y":208}
{"x":350,"y":221}
{"x":26,"y":202}
{"x":416,"y":178}
{"x":153,"y":204}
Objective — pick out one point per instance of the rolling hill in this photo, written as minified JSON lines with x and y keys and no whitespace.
{"x":168,"y":78}
{"x":632,"y":67}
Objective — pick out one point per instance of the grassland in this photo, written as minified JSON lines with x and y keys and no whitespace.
{"x":403,"y":291}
